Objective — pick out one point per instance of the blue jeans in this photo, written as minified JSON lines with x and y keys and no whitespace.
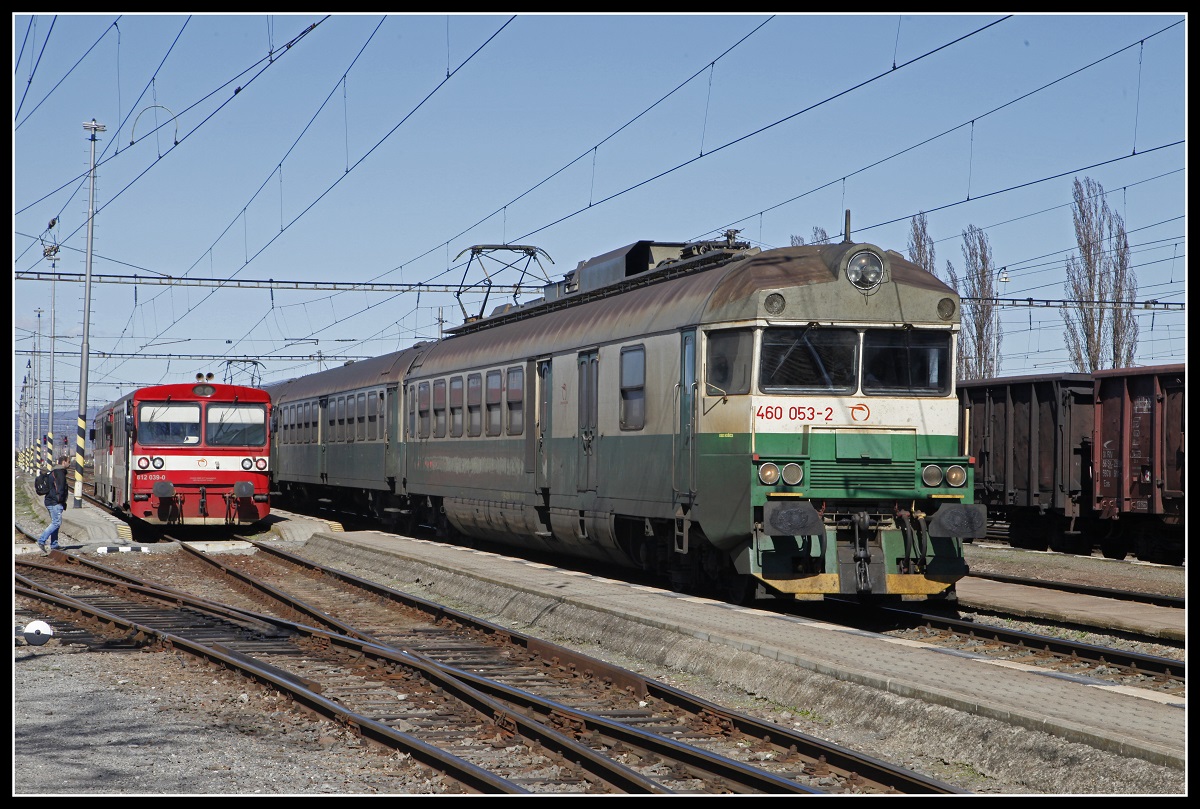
{"x":51,"y":532}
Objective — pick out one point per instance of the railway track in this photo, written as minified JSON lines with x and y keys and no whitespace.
{"x":626,"y":730}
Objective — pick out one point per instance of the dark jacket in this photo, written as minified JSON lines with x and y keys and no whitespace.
{"x":57,"y":496}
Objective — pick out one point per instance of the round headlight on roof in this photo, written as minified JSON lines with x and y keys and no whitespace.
{"x":865,"y":269}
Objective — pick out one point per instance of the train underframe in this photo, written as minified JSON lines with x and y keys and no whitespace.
{"x":867,"y":554}
{"x":1155,"y":538}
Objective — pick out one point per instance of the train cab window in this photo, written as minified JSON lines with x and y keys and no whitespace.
{"x":361,"y":416}
{"x":235,"y":425}
{"x":168,"y":424}
{"x":808,"y":359}
{"x":514,"y":398}
{"x":474,"y":405}
{"x":727,"y":362}
{"x":906,"y":361}
{"x":456,"y":406}
{"x":633,"y":388}
{"x":423,"y":409}
{"x":439,"y":409}
{"x":373,"y":416}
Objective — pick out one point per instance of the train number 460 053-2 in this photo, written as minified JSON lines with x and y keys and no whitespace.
{"x":794,"y":413}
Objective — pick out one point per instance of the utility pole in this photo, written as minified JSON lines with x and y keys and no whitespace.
{"x":40,"y":454}
{"x":81,"y":424}
{"x":50,"y":429}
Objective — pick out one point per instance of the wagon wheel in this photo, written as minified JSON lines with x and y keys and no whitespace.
{"x":1025,"y":531}
{"x":1113,"y":543}
{"x":1065,"y":541}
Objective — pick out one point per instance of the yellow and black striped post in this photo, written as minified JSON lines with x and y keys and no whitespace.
{"x":80,"y":438}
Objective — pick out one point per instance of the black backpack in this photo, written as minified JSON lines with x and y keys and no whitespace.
{"x":42,"y":484}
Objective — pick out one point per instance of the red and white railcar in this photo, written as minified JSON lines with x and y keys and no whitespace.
{"x":185,"y":454}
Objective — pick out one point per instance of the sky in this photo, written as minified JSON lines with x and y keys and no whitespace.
{"x":371,"y":149}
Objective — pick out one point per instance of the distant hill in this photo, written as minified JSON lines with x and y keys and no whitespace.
{"x":64,"y":426}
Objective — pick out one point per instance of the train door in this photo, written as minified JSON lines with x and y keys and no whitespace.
{"x":589,"y":377}
{"x":541,"y":427}
{"x":684,"y":446}
{"x":683,"y":466}
{"x":325,"y":412}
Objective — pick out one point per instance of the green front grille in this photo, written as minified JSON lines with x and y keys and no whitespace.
{"x":856,"y":475}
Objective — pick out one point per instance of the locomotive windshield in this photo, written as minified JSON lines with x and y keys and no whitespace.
{"x":168,"y":424}
{"x":236,"y":425}
{"x":808,"y":359}
{"x":906,"y":361}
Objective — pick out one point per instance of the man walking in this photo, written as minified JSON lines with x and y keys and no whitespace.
{"x":56,"y":502}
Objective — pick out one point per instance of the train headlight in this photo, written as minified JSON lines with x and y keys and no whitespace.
{"x":931,"y":475}
{"x":143,"y":463}
{"x":793,"y":473}
{"x":768,"y":473}
{"x":865,"y":270}
{"x":956,"y":475}
{"x":157,"y":463}
{"x":260,"y":464}
{"x":247,"y":464}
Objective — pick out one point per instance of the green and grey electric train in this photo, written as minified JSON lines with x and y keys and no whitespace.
{"x":721,"y":417}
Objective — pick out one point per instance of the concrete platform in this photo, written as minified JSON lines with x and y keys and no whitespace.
{"x":1039,"y":602}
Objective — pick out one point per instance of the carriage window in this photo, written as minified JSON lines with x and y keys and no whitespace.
{"x":474,"y":404}
{"x":515,"y":399}
{"x":439,"y":409}
{"x":168,"y":424}
{"x":808,"y":359}
{"x":350,"y":417}
{"x":308,"y":434}
{"x":342,"y":434}
{"x":372,"y":417}
{"x":423,"y":408}
{"x":495,"y":385}
{"x":236,"y":425}
{"x":727,"y":367}
{"x":633,"y":388}
{"x":456,"y":406}
{"x":906,"y":361}
{"x":412,"y":411}
{"x":361,"y":416}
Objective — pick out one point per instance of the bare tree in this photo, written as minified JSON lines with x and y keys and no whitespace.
{"x":920,"y":246}
{"x":819,"y":236}
{"x":1099,"y":281}
{"x":1124,"y":292}
{"x":979,"y":340}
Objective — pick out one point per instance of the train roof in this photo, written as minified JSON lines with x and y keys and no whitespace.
{"x":719,"y":283}
{"x":1074,"y":377}
{"x":388,"y":368}
{"x":192,"y":391}
{"x":1143,"y":370}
